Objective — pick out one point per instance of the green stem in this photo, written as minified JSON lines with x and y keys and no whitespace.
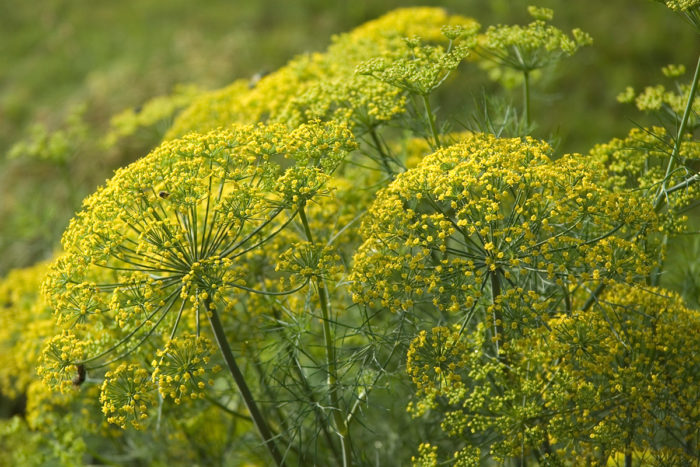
{"x":655,"y":275}
{"x":679,"y":137}
{"x":296,"y":366}
{"x":526,"y":97}
{"x":233,"y":413}
{"x":431,"y":119}
{"x":255,"y":413}
{"x":594,"y":296}
{"x":382,"y":155}
{"x":338,"y":418}
{"x":497,"y":315}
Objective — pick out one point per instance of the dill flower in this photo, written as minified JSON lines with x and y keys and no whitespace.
{"x":184,"y":368}
{"x":690,"y":9}
{"x":420,"y":71}
{"x":489,"y":405}
{"x":427,"y":456}
{"x":58,"y":362}
{"x":636,"y":164}
{"x":47,"y":410}
{"x":211,"y":110}
{"x":626,"y":96}
{"x":668,"y":105}
{"x":532,"y":47}
{"x":681,"y":5}
{"x":619,"y":378}
{"x":166,"y":237}
{"x":308,"y":260}
{"x":627,"y":374}
{"x":673,"y":71}
{"x":489,"y":214}
{"x":126,"y":396}
{"x":432,"y":359}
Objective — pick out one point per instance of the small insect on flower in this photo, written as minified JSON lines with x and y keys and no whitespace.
{"x":80,"y":377}
{"x":164,"y":194}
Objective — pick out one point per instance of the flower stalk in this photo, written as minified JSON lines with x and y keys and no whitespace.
{"x":679,"y":137}
{"x":255,"y":414}
{"x":431,"y":119}
{"x":338,"y":418}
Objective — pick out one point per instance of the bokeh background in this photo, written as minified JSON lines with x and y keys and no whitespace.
{"x":67,"y":67}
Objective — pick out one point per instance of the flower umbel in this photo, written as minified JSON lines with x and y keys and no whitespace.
{"x":126,"y":396}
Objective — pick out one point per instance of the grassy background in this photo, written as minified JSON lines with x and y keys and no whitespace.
{"x":58,"y":55}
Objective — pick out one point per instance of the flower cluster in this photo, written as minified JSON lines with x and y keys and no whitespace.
{"x":496,"y":214}
{"x":681,"y":5}
{"x":496,"y":404}
{"x":163,"y":236}
{"x":59,"y":360}
{"x":608,"y":381}
{"x":637,"y":164}
{"x":432,"y":360}
{"x":690,"y":9}
{"x":55,"y":428}
{"x":532,"y":47}
{"x":127,"y":395}
{"x":668,"y":105}
{"x":184,"y":368}
{"x":307,"y":260}
{"x":502,"y":291}
{"x":626,"y":381}
{"x":420,"y":71}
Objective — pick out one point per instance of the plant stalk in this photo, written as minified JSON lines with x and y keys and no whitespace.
{"x":679,"y":136}
{"x":296,"y":366}
{"x":593,"y":297}
{"x":497,"y":316}
{"x":247,"y":396}
{"x":382,"y":154}
{"x":431,"y":119}
{"x":338,"y":418}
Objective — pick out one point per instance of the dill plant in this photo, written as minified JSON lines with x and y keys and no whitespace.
{"x":329,"y":239}
{"x":164,"y":237}
{"x":528,"y":50}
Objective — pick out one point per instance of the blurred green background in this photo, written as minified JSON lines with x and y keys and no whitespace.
{"x":60,"y":59}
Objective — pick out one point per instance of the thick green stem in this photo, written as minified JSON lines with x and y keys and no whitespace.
{"x":431,"y":119}
{"x":253,"y":409}
{"x":679,"y":137}
{"x":526,"y":97}
{"x":338,"y":418}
